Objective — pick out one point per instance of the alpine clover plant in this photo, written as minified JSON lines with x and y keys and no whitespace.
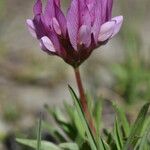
{"x":87,"y":25}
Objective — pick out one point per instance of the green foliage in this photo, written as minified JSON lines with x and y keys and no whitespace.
{"x":73,"y":132}
{"x":122,"y":119}
{"x":133,"y":75}
{"x":137,"y":128}
{"x":33,"y":144}
{"x":39,"y":134}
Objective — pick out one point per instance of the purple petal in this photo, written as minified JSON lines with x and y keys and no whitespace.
{"x":90,"y":4}
{"x":57,"y":2}
{"x":73,"y":22}
{"x":104,"y":9}
{"x":37,"y":9}
{"x":31,"y":27}
{"x":97,"y":22}
{"x":85,"y":17}
{"x":42,"y":46}
{"x":61,"y":19}
{"x":106,"y":31}
{"x":39,"y":26}
{"x":85,"y":35}
{"x":91,"y":7}
{"x":109,"y":9}
{"x":56,"y":26}
{"x":118,"y":24}
{"x":49,"y":11}
{"x":47,"y":43}
{"x":43,"y":30}
{"x":54,"y":38}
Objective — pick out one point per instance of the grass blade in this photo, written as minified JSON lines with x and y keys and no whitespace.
{"x":137,"y":127}
{"x":39,"y":128}
{"x":123,"y":119}
{"x":118,"y":135}
{"x":144,"y":140}
{"x":98,"y":114}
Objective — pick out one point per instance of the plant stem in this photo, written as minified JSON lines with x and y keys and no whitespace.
{"x":83,"y":100}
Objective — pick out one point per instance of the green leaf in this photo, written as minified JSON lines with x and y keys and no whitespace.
{"x":56,"y":132}
{"x":118,"y":135}
{"x":53,"y":130}
{"x":70,"y":111}
{"x":143,"y":143}
{"x":59,"y":116}
{"x":69,"y":146}
{"x":98,"y":114}
{"x":39,"y":128}
{"x":79,"y":126}
{"x":33,"y":144}
{"x":105,"y":145}
{"x":90,"y":103}
{"x":123,"y":119}
{"x":62,"y":122}
{"x":90,"y":136}
{"x":137,"y":127}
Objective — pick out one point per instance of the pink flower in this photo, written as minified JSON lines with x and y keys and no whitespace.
{"x":87,"y":25}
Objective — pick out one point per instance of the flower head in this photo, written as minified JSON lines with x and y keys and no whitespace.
{"x":87,"y":25}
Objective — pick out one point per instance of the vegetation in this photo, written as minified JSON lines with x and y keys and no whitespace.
{"x":75,"y":133}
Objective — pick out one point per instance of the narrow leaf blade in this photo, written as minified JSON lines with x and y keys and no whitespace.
{"x":137,"y":127}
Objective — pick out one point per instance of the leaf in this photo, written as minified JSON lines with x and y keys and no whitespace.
{"x":33,"y":144}
{"x":62,"y":122}
{"x":70,"y":111}
{"x":69,"y":146}
{"x":143,"y":143}
{"x":57,"y":114}
{"x":60,"y":117}
{"x":90,"y":103}
{"x":79,"y":126}
{"x":118,"y":135}
{"x":90,"y":136}
{"x":98,"y":114}
{"x":123,"y":119}
{"x":137,"y":127}
{"x":106,"y":146}
{"x":56,"y":132}
{"x":39,"y":128}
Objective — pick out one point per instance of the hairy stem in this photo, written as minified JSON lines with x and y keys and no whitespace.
{"x":83,"y":100}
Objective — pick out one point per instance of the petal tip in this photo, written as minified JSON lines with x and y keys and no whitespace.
{"x":48,"y":44}
{"x":106,"y":31}
{"x":31,"y":27}
{"x":118,"y":24}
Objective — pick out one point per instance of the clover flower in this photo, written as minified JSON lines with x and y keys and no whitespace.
{"x":87,"y":25}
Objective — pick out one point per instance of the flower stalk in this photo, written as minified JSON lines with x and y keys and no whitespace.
{"x":83,"y":100}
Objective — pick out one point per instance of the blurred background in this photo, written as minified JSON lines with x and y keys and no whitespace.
{"x":29,"y":78}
